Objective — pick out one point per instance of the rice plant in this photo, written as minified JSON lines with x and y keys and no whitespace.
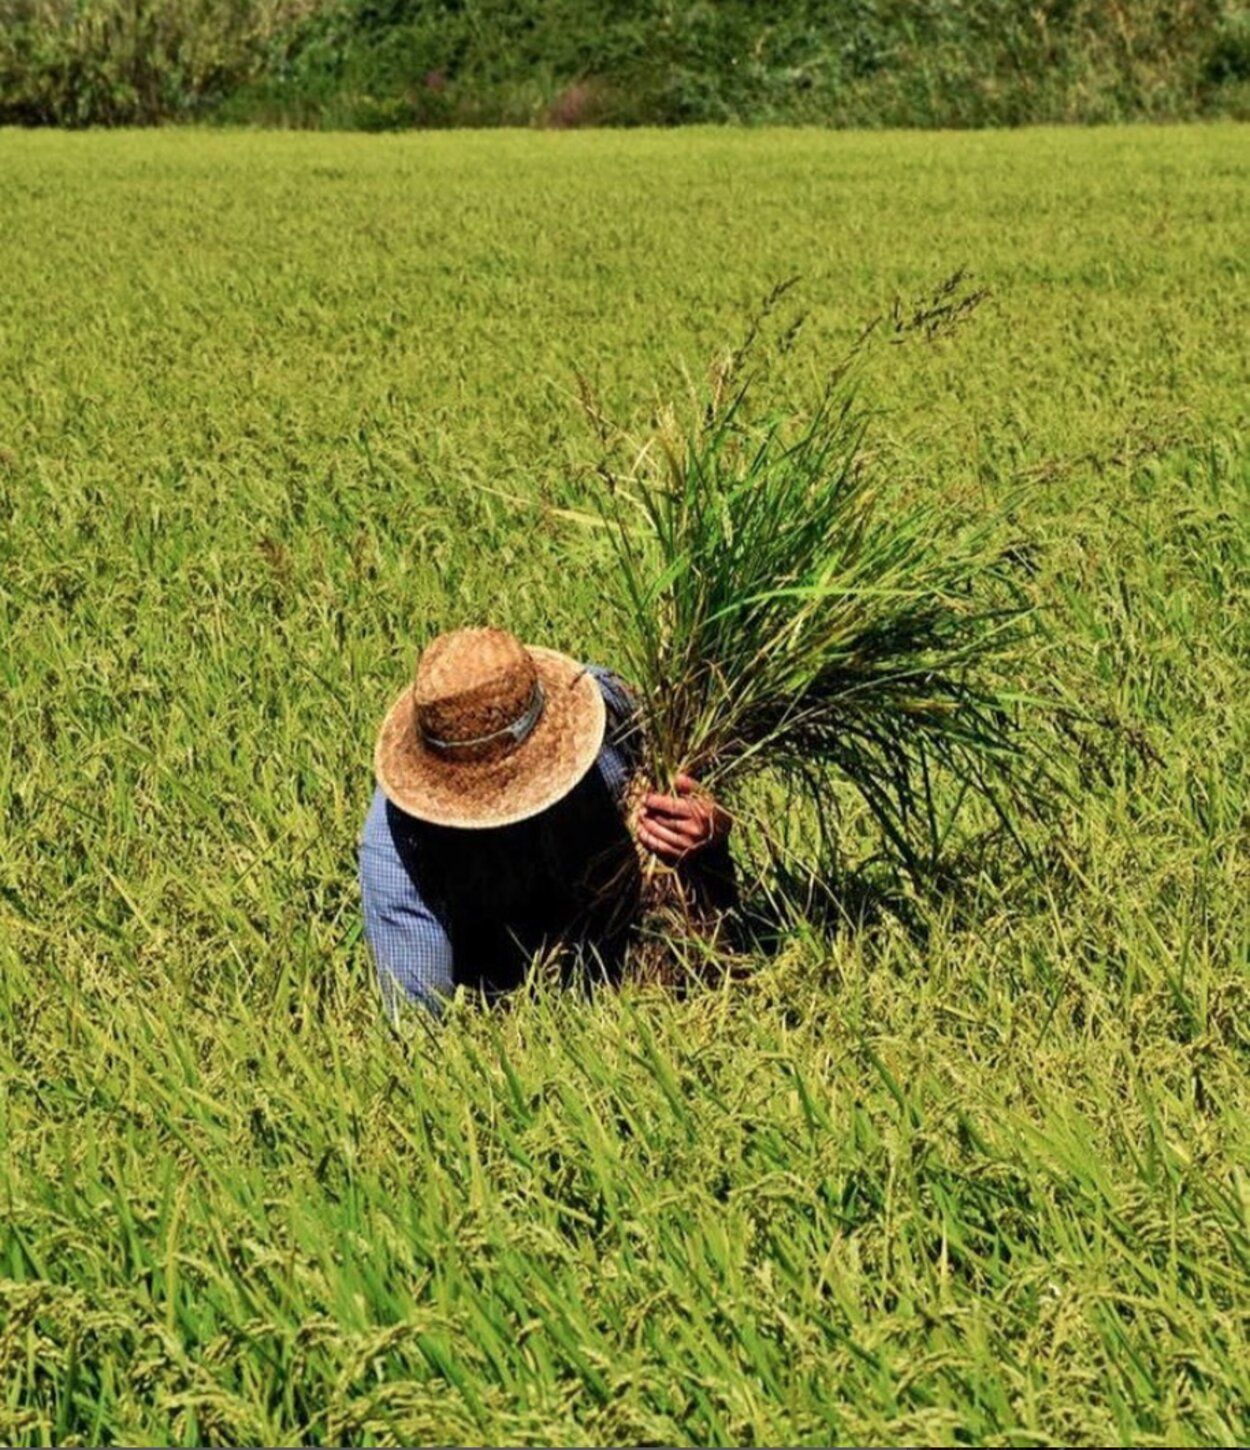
{"x":788,"y":608}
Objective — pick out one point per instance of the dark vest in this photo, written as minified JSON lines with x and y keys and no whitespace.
{"x":567,"y":877}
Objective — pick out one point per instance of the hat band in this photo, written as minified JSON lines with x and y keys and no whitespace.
{"x":520,"y":729}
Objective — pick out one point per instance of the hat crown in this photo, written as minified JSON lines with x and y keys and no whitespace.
{"x":472,"y":686}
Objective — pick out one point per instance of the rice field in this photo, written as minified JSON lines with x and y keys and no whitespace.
{"x":966,"y":1169}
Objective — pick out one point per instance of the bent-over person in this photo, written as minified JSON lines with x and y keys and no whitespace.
{"x":497,"y":830}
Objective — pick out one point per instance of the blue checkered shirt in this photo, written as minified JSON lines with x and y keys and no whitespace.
{"x":411,"y":936}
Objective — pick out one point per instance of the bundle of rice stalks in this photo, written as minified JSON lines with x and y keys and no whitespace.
{"x":787,"y":611}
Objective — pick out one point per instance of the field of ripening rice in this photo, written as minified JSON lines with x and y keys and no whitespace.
{"x":960,"y":1165}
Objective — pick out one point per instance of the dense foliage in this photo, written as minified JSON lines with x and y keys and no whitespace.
{"x":400,"y":63}
{"x":964,"y":1170}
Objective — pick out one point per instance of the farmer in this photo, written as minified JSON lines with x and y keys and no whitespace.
{"x":497,"y":830}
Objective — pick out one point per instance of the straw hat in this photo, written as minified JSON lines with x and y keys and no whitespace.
{"x":491,"y":731}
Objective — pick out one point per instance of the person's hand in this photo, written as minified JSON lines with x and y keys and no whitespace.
{"x":675,"y":826}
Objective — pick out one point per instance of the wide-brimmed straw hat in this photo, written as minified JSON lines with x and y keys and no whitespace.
{"x":490,"y":732}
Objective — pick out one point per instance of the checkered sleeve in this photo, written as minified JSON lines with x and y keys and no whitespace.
{"x":411,"y":950}
{"x":622,"y":746}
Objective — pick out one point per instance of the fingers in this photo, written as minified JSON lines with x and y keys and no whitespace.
{"x":675,"y":805}
{"x":658,"y":847}
{"x":666,"y":841}
{"x":683,"y":835}
{"x":673,"y":826}
{"x":678,"y":808}
{"x":674,"y":837}
{"x":693,"y":820}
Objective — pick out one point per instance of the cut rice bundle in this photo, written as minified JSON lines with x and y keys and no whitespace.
{"x":785,"y":609}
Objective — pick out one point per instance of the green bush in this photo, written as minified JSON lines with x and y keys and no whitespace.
{"x":865,"y":62}
{"x":397,"y":63}
{"x":130,"y":62}
{"x":1229,"y":56}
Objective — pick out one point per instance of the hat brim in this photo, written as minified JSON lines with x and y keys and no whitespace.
{"x":479,"y":795}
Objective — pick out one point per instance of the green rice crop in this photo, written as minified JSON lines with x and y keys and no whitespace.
{"x":969,"y":1170}
{"x":787,"y":611}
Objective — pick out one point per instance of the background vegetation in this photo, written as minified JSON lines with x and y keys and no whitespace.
{"x":380,"y":64}
{"x":969,"y":1169}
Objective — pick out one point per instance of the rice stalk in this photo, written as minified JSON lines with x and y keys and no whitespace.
{"x":788,"y":608}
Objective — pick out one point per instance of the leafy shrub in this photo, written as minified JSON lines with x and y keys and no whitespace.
{"x":130,"y":62}
{"x":1229,"y":56}
{"x":621,"y":62}
{"x":865,"y":62}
